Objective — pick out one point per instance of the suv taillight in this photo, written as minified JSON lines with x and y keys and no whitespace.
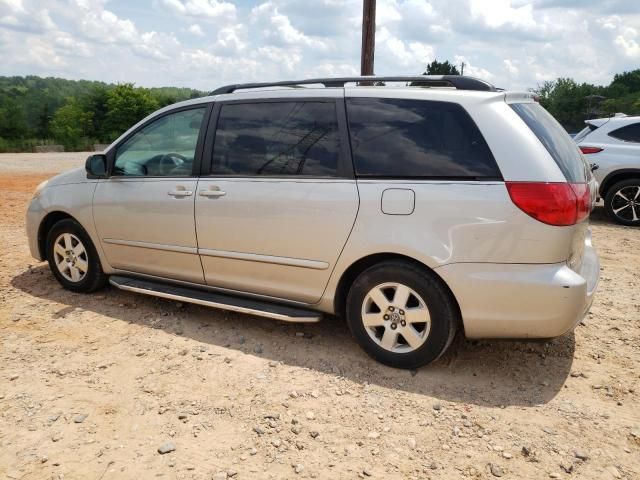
{"x":588,"y":150}
{"x":558,"y":204}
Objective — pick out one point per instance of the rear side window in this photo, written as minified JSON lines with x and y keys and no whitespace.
{"x":555,"y":139}
{"x":629,"y":133}
{"x":277,"y":138}
{"x":417,"y":139}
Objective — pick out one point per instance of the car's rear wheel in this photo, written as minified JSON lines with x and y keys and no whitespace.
{"x":73,"y":258}
{"x":401,"y":314}
{"x":622,"y":202}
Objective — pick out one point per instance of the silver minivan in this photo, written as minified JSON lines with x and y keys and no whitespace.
{"x":413,"y":207}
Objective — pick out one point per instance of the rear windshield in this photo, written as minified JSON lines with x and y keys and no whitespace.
{"x":555,"y":139}
{"x":584,"y":132}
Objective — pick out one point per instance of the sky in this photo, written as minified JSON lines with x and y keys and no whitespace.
{"x":203,"y":44}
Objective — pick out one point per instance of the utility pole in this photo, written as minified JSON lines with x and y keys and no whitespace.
{"x":462,"y":68}
{"x":368,"y":37}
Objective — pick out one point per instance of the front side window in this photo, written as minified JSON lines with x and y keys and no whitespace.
{"x":277,"y":138}
{"x":630,"y":133}
{"x":166,"y":147}
{"x":416,"y":139}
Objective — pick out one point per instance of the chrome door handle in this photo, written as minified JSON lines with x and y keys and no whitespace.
{"x":180,"y":193}
{"x":212,"y":193}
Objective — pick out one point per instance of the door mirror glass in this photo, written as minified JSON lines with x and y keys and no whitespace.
{"x":96,"y":166}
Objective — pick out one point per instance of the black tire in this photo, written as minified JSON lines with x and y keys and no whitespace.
{"x":442,"y":308}
{"x":612,"y":201}
{"x":94,"y":278}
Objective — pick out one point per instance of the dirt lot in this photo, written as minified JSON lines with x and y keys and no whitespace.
{"x":91,"y":386}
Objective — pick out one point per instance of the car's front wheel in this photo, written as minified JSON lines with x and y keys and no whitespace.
{"x":622,"y":202}
{"x":73,"y":258}
{"x":401,"y":315}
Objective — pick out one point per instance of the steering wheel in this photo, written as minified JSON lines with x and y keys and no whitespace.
{"x":170,"y":161}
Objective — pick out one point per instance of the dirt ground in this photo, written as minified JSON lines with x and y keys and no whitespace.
{"x":91,"y":386}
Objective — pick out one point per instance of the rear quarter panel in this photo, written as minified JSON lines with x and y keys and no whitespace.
{"x":453,"y":222}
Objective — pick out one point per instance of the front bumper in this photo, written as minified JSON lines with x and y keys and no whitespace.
{"x":34,"y":216}
{"x":523,"y":300}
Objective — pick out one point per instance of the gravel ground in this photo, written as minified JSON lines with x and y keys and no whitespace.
{"x":29,"y":163}
{"x":115,"y":385}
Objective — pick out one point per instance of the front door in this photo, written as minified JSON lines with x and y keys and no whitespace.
{"x":144,"y":212}
{"x":279,"y":203}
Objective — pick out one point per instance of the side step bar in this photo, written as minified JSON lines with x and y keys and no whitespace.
{"x":225,"y":302}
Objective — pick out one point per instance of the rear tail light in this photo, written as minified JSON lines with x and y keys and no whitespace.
{"x":588,"y":150}
{"x":558,"y":204}
{"x":583,"y":200}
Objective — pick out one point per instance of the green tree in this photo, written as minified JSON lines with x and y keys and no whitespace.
{"x":126,"y":105}
{"x":96,"y":101}
{"x":441,"y":68}
{"x":71,"y":125}
{"x":569,"y":102}
{"x":629,"y":81}
{"x":13,"y":123}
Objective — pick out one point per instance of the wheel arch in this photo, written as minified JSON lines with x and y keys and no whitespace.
{"x":46,"y":224}
{"x":356,"y":268}
{"x":616,"y":176}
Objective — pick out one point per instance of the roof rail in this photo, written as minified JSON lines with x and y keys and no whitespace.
{"x":456,"y":81}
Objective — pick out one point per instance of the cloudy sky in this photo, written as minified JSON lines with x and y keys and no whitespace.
{"x":206,"y":43}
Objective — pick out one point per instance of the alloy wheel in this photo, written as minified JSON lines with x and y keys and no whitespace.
{"x":625,"y":203}
{"x":70,"y":257}
{"x":396,"y":317}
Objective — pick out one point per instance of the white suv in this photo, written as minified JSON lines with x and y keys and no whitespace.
{"x":613,"y":144}
{"x":413,"y":211}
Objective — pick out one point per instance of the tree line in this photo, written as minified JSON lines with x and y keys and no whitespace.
{"x":77,"y":114}
{"x":80,"y":113}
{"x":572,"y":103}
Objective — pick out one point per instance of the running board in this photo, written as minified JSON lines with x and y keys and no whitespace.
{"x":209,"y":299}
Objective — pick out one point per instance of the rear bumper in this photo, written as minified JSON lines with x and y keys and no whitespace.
{"x":523,"y":300}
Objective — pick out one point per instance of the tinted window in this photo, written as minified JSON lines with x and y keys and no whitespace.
{"x":555,"y":139}
{"x":630,"y":133}
{"x":164,"y":147}
{"x":413,"y":138}
{"x":277,"y":138}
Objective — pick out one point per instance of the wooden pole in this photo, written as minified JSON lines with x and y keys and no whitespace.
{"x":368,"y":37}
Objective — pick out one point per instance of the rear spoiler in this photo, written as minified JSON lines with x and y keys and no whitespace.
{"x":597,"y":122}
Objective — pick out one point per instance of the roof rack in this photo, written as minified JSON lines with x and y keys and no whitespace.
{"x":457,"y":81}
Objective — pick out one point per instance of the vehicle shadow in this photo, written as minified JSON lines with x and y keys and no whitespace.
{"x":599,"y":217}
{"x":488,"y":373}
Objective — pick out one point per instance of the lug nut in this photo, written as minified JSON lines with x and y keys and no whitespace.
{"x":403,"y":323}
{"x":391,"y":309}
{"x":401,"y":312}
{"x":386,"y":317}
{"x":394,"y":326}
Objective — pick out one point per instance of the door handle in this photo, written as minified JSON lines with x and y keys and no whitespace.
{"x":180,"y":193}
{"x":212,"y":193}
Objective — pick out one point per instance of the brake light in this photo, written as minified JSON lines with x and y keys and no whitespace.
{"x":588,"y":150}
{"x":583,"y":199}
{"x":559,"y":204}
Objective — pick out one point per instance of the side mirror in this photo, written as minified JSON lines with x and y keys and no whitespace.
{"x":96,"y":166}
